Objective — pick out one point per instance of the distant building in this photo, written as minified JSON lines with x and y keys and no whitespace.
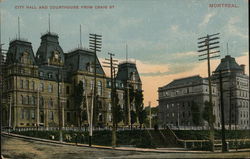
{"x":235,"y":92}
{"x":179,"y":100}
{"x":39,"y":87}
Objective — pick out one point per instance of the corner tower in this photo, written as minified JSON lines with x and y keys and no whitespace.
{"x":50,"y":52}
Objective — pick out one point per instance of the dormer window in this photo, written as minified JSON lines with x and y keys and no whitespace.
{"x":50,"y":75}
{"x":41,"y":74}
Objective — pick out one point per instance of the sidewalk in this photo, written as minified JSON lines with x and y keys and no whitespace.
{"x":157,"y":150}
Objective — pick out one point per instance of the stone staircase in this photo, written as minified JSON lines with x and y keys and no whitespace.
{"x":164,"y":138}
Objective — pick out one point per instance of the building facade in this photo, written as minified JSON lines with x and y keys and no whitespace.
{"x":40,"y":89}
{"x":182,"y":101}
{"x":178,"y":100}
{"x":235,"y":92}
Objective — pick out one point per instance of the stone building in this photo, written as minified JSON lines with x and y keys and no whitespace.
{"x":235,"y":92}
{"x":39,"y":89}
{"x":177,"y":98}
{"x":182,"y":101}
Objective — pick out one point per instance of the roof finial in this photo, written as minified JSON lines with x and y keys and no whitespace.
{"x":18,"y":28}
{"x":80,"y":35}
{"x":227,"y":48}
{"x":126,"y":52}
{"x":49,"y":23}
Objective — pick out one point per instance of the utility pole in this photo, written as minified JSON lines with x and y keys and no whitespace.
{"x":150,"y":115}
{"x":112,"y":65}
{"x":95,"y":42}
{"x":207,"y":44}
{"x":223,"y":139}
{"x":59,"y":106}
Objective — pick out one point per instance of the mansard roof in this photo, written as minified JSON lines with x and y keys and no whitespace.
{"x":228,"y":63}
{"x":81,"y":59}
{"x":48,"y":48}
{"x":18,"y":49}
{"x":126,"y":70}
{"x":184,"y":81}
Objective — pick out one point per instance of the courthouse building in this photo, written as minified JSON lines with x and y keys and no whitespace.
{"x":40,"y":88}
{"x":179,"y":99}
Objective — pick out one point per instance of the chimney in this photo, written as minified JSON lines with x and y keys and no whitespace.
{"x":243,"y":68}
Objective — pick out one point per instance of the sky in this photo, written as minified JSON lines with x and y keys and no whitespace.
{"x":161,"y":35}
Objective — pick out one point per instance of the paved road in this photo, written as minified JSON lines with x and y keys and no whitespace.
{"x":23,"y":149}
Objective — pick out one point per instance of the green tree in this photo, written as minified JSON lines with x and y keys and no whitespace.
{"x":133,"y":117}
{"x":206,"y":112}
{"x":142,"y":117}
{"x":78,"y":99}
{"x":196,"y":114}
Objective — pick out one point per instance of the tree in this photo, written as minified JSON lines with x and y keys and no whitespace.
{"x":196,"y":114}
{"x":133,"y":117}
{"x":142,"y":117}
{"x":206,"y":113}
{"x":78,"y":99}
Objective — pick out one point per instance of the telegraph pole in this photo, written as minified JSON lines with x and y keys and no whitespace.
{"x":207,"y":44}
{"x":59,"y":106}
{"x":112,"y":65}
{"x":223,"y":139}
{"x":95,"y":42}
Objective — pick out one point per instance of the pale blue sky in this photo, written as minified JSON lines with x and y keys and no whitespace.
{"x":156,"y":31}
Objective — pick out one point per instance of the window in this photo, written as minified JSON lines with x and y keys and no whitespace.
{"x":50,"y":88}
{"x":51,"y":115}
{"x":91,"y":84}
{"x":50,"y":75}
{"x":41,"y":102}
{"x":172,"y":114}
{"x":27,"y":114}
{"x":22,"y":100}
{"x":84,"y":83}
{"x":41,"y":74}
{"x":50,"y":103}
{"x":26,"y":85}
{"x":67,"y":89}
{"x":68,"y":116}
{"x":110,"y":118}
{"x":32,"y":100}
{"x":21,"y":84}
{"x":22,"y":114}
{"x":121,"y":95}
{"x":109,"y":106}
{"x":41,"y":87}
{"x":67,"y":103}
{"x":32,"y":114}
{"x":33,"y":85}
{"x":99,"y":88}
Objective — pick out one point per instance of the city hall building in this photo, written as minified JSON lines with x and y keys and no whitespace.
{"x":182,"y":99}
{"x":39,"y":89}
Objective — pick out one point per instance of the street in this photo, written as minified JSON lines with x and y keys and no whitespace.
{"x":23,"y":149}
